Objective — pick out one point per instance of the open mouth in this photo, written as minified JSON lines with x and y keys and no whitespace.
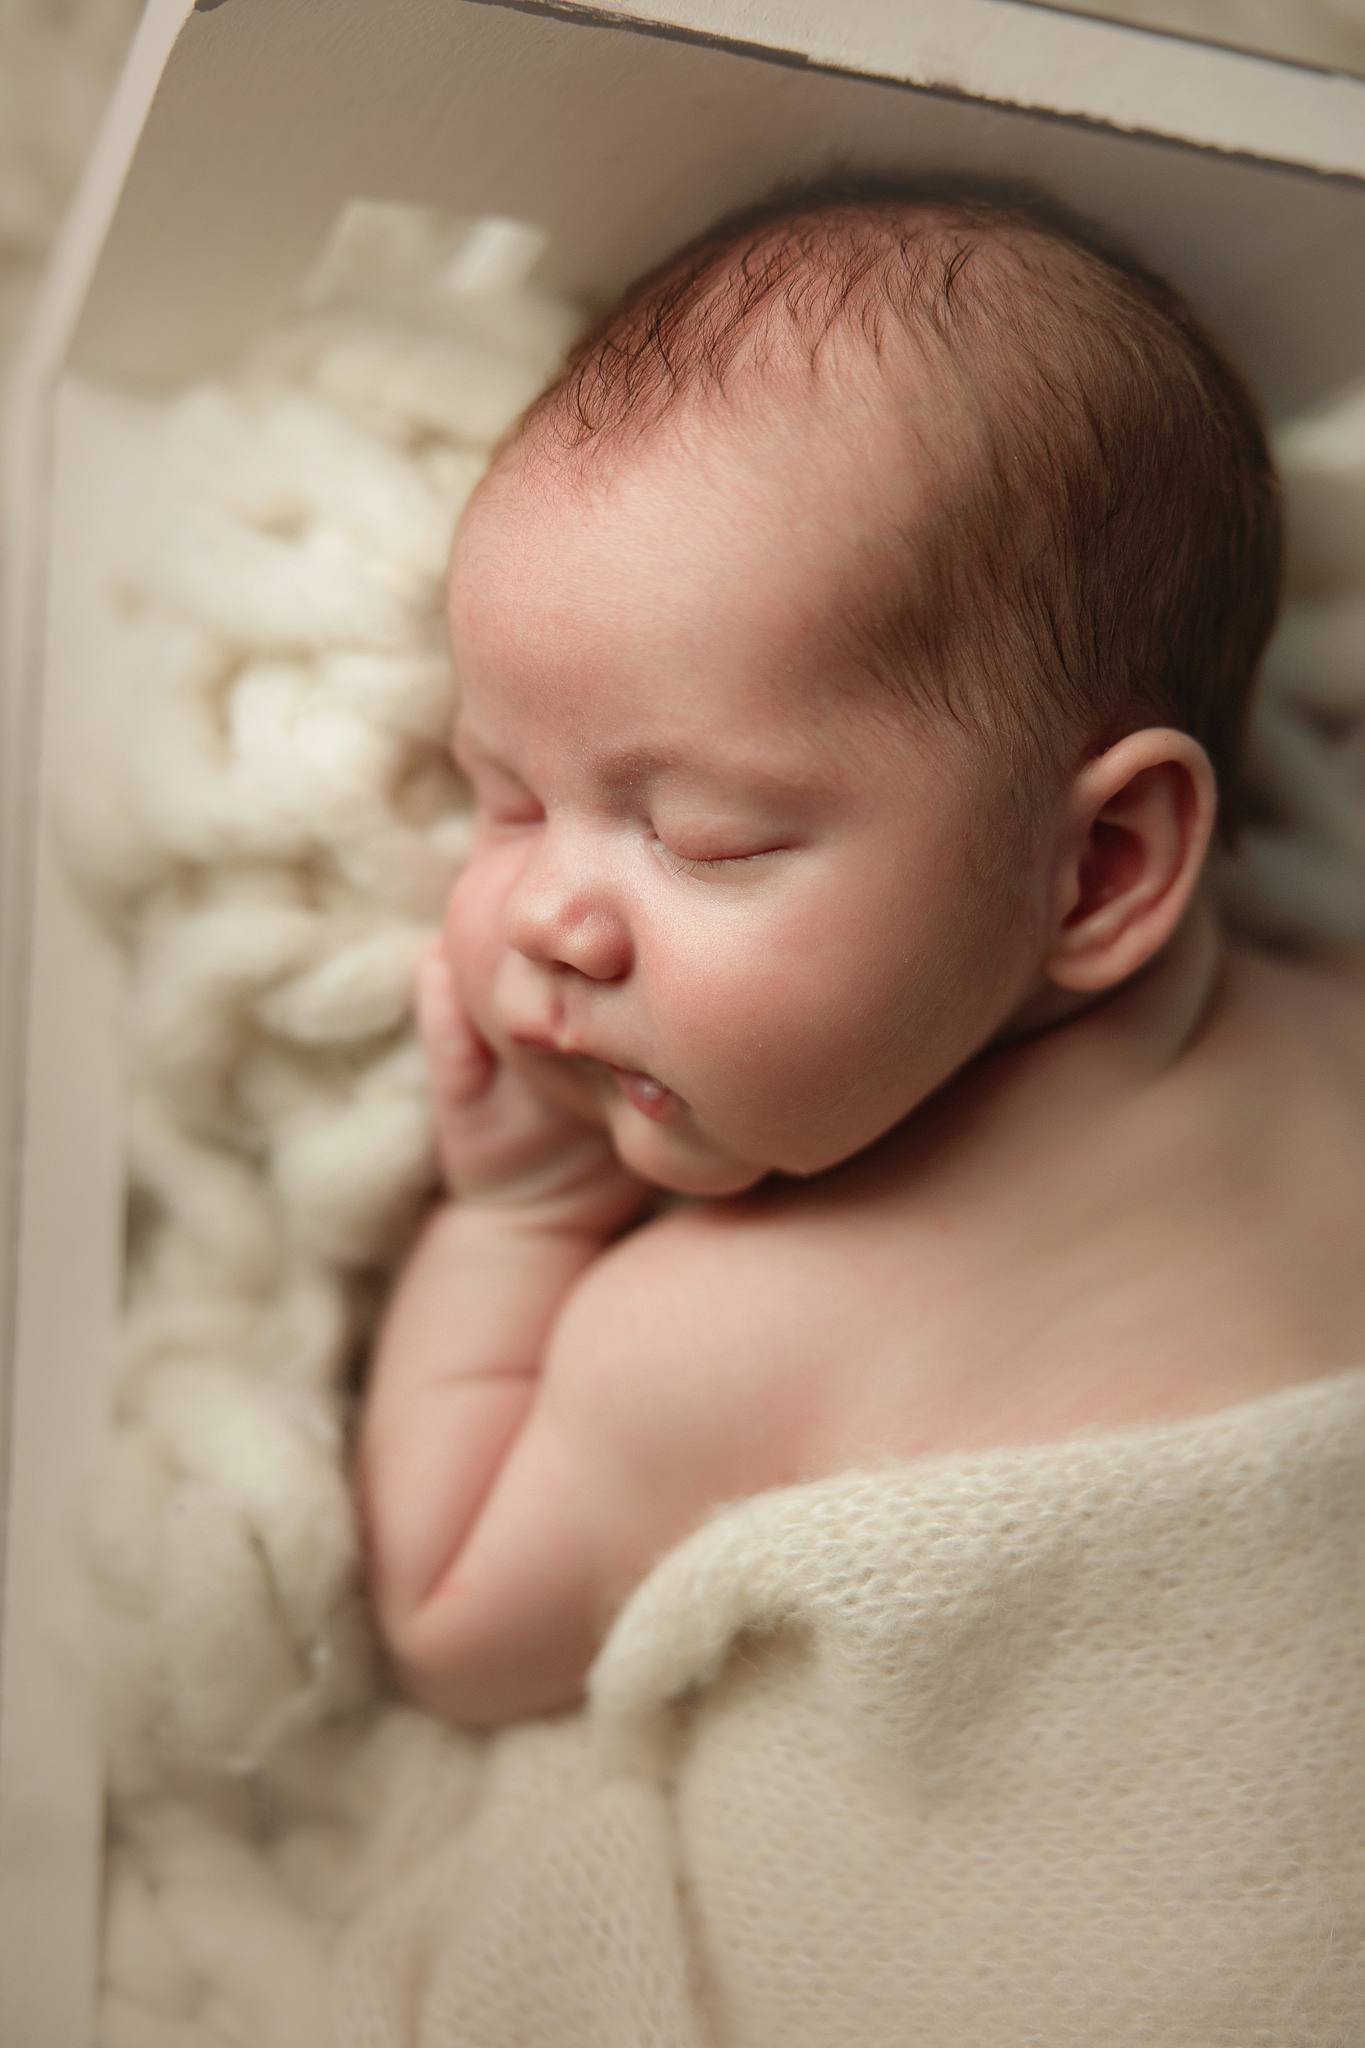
{"x":643,"y":1091}
{"x":646,"y":1094}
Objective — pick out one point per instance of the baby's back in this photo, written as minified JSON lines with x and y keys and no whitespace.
{"x":1149,"y":1251}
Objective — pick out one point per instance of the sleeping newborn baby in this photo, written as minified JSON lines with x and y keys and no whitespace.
{"x":836,"y":1055}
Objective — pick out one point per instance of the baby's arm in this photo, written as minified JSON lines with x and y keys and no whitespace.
{"x":484,"y":1573}
{"x":455,"y":1379}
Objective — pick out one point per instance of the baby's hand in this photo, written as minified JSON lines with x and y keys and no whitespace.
{"x":501,"y":1143}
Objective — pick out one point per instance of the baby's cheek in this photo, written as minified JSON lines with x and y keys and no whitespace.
{"x":741,"y":1008}
{"x":793,"y":1043}
{"x":729,"y":1053}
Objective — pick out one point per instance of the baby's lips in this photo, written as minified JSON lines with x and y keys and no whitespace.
{"x":647,"y":1095}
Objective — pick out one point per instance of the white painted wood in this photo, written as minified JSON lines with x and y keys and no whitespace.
{"x":1328,"y":34}
{"x":233,"y":140}
{"x":622,"y":142}
{"x":69,"y":1245}
{"x":1018,"y":53}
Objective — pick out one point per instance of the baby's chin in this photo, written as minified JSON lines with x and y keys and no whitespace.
{"x":713,"y":1179}
{"x":683,"y":1163}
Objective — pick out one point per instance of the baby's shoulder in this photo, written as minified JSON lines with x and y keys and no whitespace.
{"x":786,"y":1277}
{"x":693,"y":1351}
{"x":741,"y":1253}
{"x":682,"y":1266}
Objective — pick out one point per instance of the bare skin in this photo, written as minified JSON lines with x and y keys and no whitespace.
{"x":1151,"y":1213}
{"x":1154,"y":1212}
{"x":1186,"y":1238}
{"x":963,"y":1163}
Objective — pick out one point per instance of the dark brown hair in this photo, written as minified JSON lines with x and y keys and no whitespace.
{"x":1102,"y":548}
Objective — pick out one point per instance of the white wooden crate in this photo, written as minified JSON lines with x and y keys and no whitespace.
{"x":237,"y":133}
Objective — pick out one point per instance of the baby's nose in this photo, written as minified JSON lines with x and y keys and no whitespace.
{"x":559,"y":922}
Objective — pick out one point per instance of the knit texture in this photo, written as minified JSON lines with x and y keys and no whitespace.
{"x":1033,"y":1747}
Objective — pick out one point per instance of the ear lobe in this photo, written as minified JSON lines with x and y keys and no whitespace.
{"x":1151,"y":802}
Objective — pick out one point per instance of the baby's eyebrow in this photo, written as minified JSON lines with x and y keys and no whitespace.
{"x":631,"y":766}
{"x":628,"y":767}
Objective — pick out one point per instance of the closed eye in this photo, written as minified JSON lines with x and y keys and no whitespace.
{"x":678,"y":864}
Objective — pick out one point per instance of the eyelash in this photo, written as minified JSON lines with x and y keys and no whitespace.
{"x":676,"y":863}
{"x":678,"y":866}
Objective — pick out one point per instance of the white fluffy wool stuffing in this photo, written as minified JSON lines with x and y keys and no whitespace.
{"x":270,"y":843}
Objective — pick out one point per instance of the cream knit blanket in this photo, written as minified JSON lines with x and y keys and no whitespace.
{"x":1035,"y":1748}
{"x":1043,"y":1746}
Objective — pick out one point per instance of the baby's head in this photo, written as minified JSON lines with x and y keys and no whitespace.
{"x":921,"y":554}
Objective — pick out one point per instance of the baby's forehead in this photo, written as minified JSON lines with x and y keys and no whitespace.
{"x":780,"y":633}
{"x":673,"y":568}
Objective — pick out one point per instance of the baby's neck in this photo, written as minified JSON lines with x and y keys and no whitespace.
{"x":1146,"y":1023}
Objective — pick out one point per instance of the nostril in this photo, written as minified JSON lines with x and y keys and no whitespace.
{"x":573,"y":927}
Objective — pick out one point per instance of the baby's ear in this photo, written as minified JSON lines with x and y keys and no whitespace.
{"x":1139,"y":823}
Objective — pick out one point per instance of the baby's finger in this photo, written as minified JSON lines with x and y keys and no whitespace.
{"x":462,"y":1063}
